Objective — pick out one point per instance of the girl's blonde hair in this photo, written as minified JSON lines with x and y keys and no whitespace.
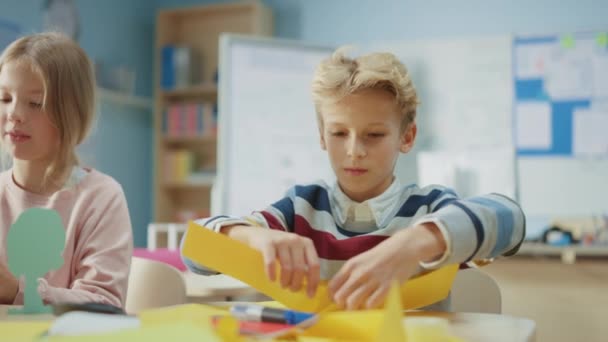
{"x":339,"y":76}
{"x":69,"y":91}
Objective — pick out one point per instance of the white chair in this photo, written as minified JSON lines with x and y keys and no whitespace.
{"x":154,"y":284}
{"x":475,"y":291}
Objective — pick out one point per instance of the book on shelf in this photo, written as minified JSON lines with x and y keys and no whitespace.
{"x":190,"y":120}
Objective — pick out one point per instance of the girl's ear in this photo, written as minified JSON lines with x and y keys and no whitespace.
{"x":408,"y":137}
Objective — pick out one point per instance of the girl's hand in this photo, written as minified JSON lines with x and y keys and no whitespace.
{"x":364,"y":280}
{"x":296,"y":255}
{"x":9,"y":285}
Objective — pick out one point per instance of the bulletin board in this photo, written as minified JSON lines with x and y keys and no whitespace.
{"x":561,"y":95}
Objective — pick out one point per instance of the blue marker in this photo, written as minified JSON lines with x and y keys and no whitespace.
{"x":258,"y":313}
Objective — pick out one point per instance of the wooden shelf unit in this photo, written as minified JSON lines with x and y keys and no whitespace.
{"x":199,"y":28}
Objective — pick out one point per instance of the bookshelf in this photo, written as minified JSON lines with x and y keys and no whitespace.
{"x":119,"y":98}
{"x":185,"y":158}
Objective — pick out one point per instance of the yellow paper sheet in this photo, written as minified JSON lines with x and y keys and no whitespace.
{"x":184,"y":331}
{"x":242,"y":262}
{"x":369,"y":325}
{"x":197,"y":314}
{"x":22,"y":330}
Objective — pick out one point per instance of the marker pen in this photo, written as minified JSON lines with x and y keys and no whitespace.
{"x":258,"y":313}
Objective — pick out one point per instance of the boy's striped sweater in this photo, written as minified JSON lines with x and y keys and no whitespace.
{"x":475,"y":228}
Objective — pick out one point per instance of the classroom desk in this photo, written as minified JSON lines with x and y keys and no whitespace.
{"x":472,"y":327}
{"x":478,"y":327}
{"x":4,"y":316}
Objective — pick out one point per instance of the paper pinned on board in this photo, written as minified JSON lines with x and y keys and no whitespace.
{"x":244,"y":263}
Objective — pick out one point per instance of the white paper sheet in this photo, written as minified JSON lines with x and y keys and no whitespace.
{"x":590,"y":130}
{"x":533,"y":129}
{"x":531,"y":59}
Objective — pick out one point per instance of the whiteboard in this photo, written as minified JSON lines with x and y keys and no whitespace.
{"x":268,"y":135}
{"x":467,"y":99}
{"x":465,"y":92}
{"x":470,"y":173}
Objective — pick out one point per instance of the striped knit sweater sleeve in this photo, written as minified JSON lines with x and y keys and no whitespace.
{"x":475,"y":228}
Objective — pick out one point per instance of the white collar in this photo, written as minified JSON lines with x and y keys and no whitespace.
{"x":373,"y":209}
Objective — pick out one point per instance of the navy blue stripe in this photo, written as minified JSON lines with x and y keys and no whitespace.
{"x":414,"y":202}
{"x":315,"y":195}
{"x":215,"y":218}
{"x":443,"y":203}
{"x":285,"y":206}
{"x":348,"y":232}
{"x":504,"y":222}
{"x":449,"y":192}
{"x":478,"y":227}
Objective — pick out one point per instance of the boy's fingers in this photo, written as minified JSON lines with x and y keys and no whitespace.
{"x":299,"y":268}
{"x":340,"y":278}
{"x":347,"y":288}
{"x":359,"y":296}
{"x":312,"y":260}
{"x":377,"y":297}
{"x":286,"y":265}
{"x":269,"y":254}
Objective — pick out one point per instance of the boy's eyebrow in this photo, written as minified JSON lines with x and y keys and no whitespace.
{"x":377,"y":124}
{"x":335,"y":123}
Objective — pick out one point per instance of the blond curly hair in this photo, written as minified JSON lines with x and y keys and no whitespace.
{"x":339,"y":76}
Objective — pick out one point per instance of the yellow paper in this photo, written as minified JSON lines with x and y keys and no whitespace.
{"x":184,"y":331}
{"x":22,"y":330}
{"x":392,"y":328}
{"x":370,"y":325}
{"x":197,"y":314}
{"x":242,"y":262}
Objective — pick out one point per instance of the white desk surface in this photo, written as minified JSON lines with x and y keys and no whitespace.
{"x":478,"y":327}
{"x":200,"y":286}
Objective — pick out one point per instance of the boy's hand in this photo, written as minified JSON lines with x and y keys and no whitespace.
{"x":9,"y":285}
{"x":364,"y":280}
{"x":296,"y":254}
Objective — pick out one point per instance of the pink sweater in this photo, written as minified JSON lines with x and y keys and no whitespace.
{"x":98,"y":244}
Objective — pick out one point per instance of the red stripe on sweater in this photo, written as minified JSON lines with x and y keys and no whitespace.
{"x":273,"y":222}
{"x":329,"y":247}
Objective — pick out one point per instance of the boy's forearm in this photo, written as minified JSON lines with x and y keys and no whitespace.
{"x":237,"y":232}
{"x":428,"y":244}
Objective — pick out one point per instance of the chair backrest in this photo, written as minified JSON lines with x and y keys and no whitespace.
{"x":475,"y":291}
{"x":154,"y":284}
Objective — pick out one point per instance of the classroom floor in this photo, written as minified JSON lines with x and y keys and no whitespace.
{"x":567,"y":302}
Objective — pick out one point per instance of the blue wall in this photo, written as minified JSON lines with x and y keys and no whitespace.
{"x":115,"y":32}
{"x":359,"y":21}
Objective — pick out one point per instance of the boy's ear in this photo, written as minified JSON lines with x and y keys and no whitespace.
{"x":322,"y":140}
{"x":408,"y":137}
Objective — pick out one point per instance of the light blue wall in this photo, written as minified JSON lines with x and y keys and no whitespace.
{"x":116,"y":32}
{"x":359,"y":21}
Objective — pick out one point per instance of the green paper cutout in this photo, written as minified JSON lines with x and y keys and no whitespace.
{"x":35,"y":243}
{"x":602,"y":39}
{"x":568,"y":41}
